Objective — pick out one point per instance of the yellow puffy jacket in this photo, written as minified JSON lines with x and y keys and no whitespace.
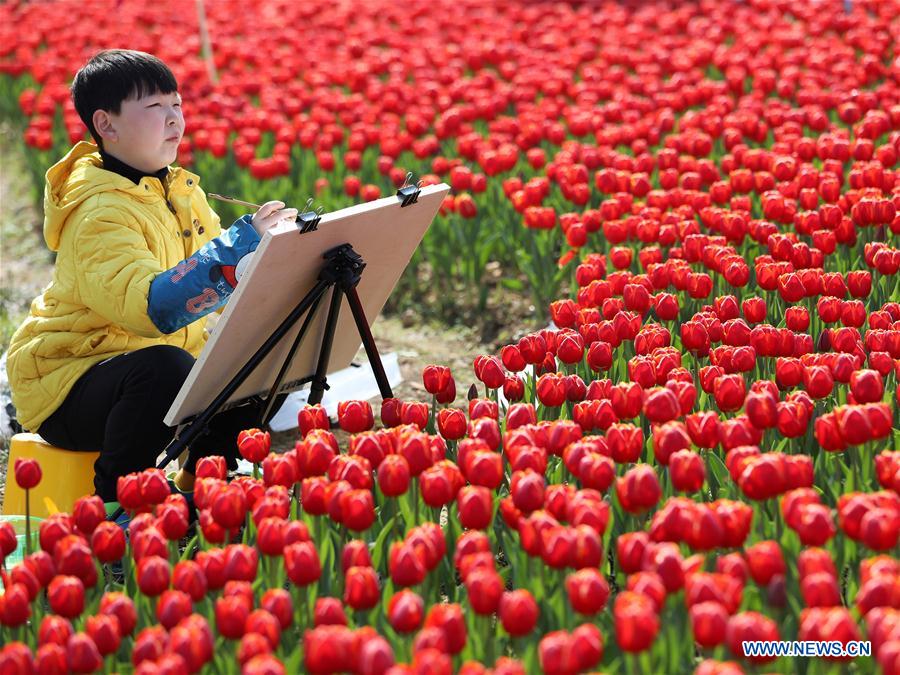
{"x":112,"y":239}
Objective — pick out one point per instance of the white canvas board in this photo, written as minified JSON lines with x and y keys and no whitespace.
{"x":283,"y":269}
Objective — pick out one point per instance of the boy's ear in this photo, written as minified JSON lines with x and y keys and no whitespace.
{"x":103,"y":123}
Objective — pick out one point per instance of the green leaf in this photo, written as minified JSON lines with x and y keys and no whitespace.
{"x":379,"y":548}
{"x":512,"y":284}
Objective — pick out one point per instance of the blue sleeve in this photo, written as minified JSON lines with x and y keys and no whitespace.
{"x":202,"y":283}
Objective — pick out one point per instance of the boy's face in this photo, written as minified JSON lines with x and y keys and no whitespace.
{"x":146,"y":131}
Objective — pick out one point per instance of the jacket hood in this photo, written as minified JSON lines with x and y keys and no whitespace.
{"x":77,"y":177}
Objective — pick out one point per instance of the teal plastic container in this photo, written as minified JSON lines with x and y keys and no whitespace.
{"x":18,"y":523}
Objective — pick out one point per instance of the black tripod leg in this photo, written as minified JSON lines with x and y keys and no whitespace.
{"x":317,"y":389}
{"x":273,"y":392}
{"x":197,"y":425}
{"x":365,"y":333}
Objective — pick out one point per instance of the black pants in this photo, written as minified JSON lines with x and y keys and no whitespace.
{"x":118,"y":406}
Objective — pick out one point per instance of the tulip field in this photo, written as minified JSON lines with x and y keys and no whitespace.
{"x":699,"y":198}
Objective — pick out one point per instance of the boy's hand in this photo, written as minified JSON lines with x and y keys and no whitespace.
{"x":271,"y":214}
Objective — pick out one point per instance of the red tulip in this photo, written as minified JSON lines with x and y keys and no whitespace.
{"x":527,"y":490}
{"x":108,"y":542}
{"x":361,"y":588}
{"x":630,"y":547}
{"x":866,"y":386}
{"x":212,"y":467}
{"x":393,"y":475}
{"x":66,"y":596}
{"x":229,"y":506}
{"x":474,"y":504}
{"x":551,"y":391}
{"x":355,"y":554}
{"x":193,"y":641}
{"x":489,"y":370}
{"x":122,"y":607}
{"x":329,"y":612}
{"x":54,"y":629}
{"x":82,"y":654}
{"x":355,"y":416}
{"x":638,"y":490}
{"x":150,"y":644}
{"x":415,"y":413}
{"x":231,"y":616}
{"x":820,"y":589}
{"x":661,"y":405}
{"x":103,"y":629}
{"x":51,"y":658}
{"x":709,"y":621}
{"x":406,"y":610}
{"x":520,"y":415}
{"x":754,"y":309}
{"x":279,"y":470}
{"x":587,"y":645}
{"x":513,"y":388}
{"x":587,"y":590}
{"x":153,"y":575}
{"x":128,"y":492}
{"x":729,"y":392}
{"x":750,"y":626}
{"x":687,"y":470}
{"x":254,"y":445}
{"x":415,"y":448}
{"x":625,"y":442}
{"x":277,"y":601}
{"x":27,"y":472}
{"x":15,"y":607}
{"x":405,"y":566}
{"x":765,"y":561}
{"x":375,"y":656}
{"x":435,"y":378}
{"x":451,"y":423}
{"x":669,"y":438}
{"x":512,"y":359}
{"x":518,"y":612}
{"x":484,"y":587}
{"x":312,"y":417}
{"x":251,"y":646}
{"x":448,"y":618}
{"x":557,"y":654}
{"x":301,"y":562}
{"x":264,"y":623}
{"x":636,"y":621}
{"x":390,"y":412}
{"x":438,"y":486}
{"x":880,"y":528}
{"x":357,"y":510}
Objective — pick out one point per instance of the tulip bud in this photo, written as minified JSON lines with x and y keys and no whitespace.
{"x":66,"y":596}
{"x":406,"y":610}
{"x":636,"y":621}
{"x":587,"y":590}
{"x":361,"y":588}
{"x":27,"y":472}
{"x":254,"y":445}
{"x":82,"y":654}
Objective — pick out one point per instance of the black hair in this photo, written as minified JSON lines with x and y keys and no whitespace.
{"x":116,"y":75}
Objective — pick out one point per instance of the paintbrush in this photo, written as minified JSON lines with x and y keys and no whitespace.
{"x":224,"y":198}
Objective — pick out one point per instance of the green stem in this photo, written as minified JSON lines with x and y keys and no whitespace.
{"x":27,"y":522}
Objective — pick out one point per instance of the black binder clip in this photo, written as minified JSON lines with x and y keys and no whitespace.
{"x":308,"y":220}
{"x":409,"y":193}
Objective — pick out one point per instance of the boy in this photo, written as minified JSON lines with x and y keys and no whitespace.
{"x":141,"y":260}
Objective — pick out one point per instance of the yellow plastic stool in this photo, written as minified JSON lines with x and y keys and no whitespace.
{"x":67,"y":475}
